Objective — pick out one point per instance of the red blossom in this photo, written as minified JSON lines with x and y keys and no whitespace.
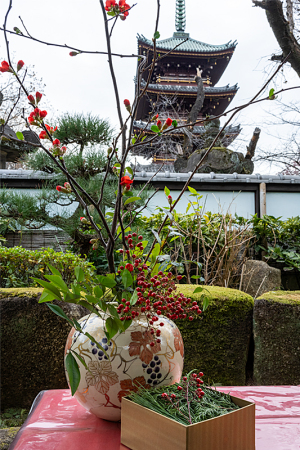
{"x":43,"y":114}
{"x":56,"y":142}
{"x":58,"y":188}
{"x":126,"y":102}
{"x":20,"y":65}
{"x":38,"y":96}
{"x":5,"y":67}
{"x":43,"y":135}
{"x":30,"y":120}
{"x":73,"y":53}
{"x":169,"y":122}
{"x":31,"y":98}
{"x":126,"y":181}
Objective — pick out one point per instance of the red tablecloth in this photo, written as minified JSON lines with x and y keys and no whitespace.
{"x":58,"y":422}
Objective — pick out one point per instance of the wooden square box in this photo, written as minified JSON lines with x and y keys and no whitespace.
{"x":143,"y":429}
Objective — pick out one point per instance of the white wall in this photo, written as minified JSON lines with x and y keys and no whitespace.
{"x":283,"y":204}
{"x":241,"y":203}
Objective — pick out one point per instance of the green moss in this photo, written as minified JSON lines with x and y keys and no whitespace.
{"x":277,"y":338}
{"x":20,"y":292}
{"x":7,"y":435}
{"x":217,"y":343}
{"x":287,"y":297}
{"x":220,"y":149}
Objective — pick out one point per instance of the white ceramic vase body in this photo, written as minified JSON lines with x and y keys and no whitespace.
{"x":132,"y":362}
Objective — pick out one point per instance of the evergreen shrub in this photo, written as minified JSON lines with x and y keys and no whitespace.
{"x":18,"y":265}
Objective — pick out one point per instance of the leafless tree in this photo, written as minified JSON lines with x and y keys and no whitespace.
{"x":284,"y":20}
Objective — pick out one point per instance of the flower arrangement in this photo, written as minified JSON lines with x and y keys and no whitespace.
{"x":187,"y":402}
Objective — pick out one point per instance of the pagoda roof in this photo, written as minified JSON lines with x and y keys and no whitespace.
{"x":193,"y":89}
{"x":190,"y":45}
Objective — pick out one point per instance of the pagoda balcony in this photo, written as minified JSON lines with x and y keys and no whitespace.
{"x":180,"y":79}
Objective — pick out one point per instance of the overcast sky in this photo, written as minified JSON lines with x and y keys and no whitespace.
{"x":83,"y":83}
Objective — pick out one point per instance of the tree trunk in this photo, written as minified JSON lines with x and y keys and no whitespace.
{"x":282,"y":31}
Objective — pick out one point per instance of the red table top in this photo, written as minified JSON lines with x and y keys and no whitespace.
{"x":58,"y":422}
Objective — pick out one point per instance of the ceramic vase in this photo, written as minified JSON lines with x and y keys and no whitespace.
{"x":132,"y":362}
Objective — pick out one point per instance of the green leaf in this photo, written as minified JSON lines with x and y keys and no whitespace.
{"x":86,"y":305}
{"x":46,"y":297}
{"x":58,"y":281}
{"x":73,"y":372}
{"x":112,"y":310}
{"x":126,"y":324}
{"x":144,"y":138}
{"x":57,"y":310}
{"x":129,"y":170}
{"x":134,"y":298}
{"x":92,"y":299}
{"x":156,"y":35}
{"x":132,"y":199}
{"x":107,"y":282}
{"x":133,"y":141}
{"x":98,"y":291}
{"x":167,"y":191}
{"x":271,"y":93}
{"x":112,"y":327}
{"x":80,"y":359}
{"x":195,"y":277}
{"x":49,"y":288}
{"x":128,"y":193}
{"x":192,"y":190}
{"x":54,"y":270}
{"x":174,"y":123}
{"x":155,"y":129}
{"x":127,"y":278}
{"x":79,"y":274}
{"x":206,"y":302}
{"x":198,"y":289}
{"x":188,"y":207}
{"x":20,"y":135}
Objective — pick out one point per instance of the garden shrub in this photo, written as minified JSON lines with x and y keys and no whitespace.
{"x":277,"y":338}
{"x":217,"y":342}
{"x":18,"y":266}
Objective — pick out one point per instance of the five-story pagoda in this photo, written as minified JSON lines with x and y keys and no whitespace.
{"x":172,"y":83}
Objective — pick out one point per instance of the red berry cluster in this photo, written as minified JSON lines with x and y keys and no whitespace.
{"x":190,"y":389}
{"x":156,"y":293}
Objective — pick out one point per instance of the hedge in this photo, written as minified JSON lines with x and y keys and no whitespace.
{"x":218,"y":342}
{"x":277,"y":338}
{"x":18,"y":265}
{"x":32,"y":346}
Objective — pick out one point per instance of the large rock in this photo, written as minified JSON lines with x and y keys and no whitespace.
{"x":219,"y":160}
{"x":32,"y":346}
{"x":259,"y":277}
{"x":218,"y":342}
{"x":277,"y":338}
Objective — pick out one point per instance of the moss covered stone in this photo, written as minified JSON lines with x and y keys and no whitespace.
{"x":32,"y":346}
{"x":277,"y":338}
{"x":7,"y":435}
{"x":217,"y":343}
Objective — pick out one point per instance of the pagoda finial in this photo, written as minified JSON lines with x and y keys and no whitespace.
{"x":180,"y":16}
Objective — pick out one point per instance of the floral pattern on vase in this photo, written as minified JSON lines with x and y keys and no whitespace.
{"x":132,"y":362}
